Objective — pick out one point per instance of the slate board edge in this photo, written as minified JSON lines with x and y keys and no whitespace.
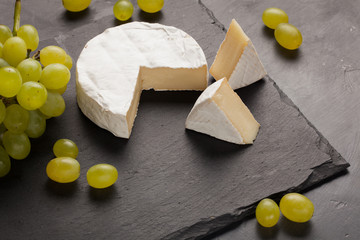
{"x":208,"y":228}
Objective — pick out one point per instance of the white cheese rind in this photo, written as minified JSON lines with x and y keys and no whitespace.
{"x":108,"y":69}
{"x":248,"y":70}
{"x":206,"y":117}
{"x":101,"y":116}
{"x":237,"y":59}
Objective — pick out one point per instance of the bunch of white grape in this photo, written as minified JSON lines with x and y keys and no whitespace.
{"x":30,"y":90}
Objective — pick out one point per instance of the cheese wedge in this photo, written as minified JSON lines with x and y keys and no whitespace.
{"x":115,"y":66}
{"x":219,"y":112}
{"x":237,"y":59}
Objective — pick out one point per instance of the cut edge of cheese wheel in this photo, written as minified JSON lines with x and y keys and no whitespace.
{"x":220,"y":112}
{"x":115,"y":66}
{"x":237,"y":59}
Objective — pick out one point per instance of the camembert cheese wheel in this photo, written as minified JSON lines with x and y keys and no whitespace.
{"x":115,"y":66}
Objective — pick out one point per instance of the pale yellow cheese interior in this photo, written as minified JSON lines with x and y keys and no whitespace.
{"x":164,"y":79}
{"x":229,"y":52}
{"x":131,"y":114}
{"x":237,"y":112}
{"x":173,"y":79}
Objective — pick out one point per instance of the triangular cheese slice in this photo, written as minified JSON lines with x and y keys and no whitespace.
{"x":219,"y":112}
{"x":237,"y":59}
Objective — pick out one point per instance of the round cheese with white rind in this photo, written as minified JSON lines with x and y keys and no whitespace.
{"x":115,"y":66}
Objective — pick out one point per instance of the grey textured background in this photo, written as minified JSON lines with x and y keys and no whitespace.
{"x":173,"y":183}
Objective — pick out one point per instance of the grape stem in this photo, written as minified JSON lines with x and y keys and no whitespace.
{"x":36,"y":56}
{"x":7,"y":101}
{"x":17,"y":12}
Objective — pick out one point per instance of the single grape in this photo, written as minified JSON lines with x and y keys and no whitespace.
{"x":274,"y":16}
{"x":3,"y":63}
{"x":16,"y":118}
{"x":11,"y":81}
{"x":76,"y":5}
{"x":102,"y":175}
{"x":30,"y":70}
{"x":63,"y":169}
{"x":52,"y":54}
{"x":14,"y":51}
{"x":54,"y":105}
{"x":55,"y":76}
{"x":68,"y":62}
{"x":65,"y":148}
{"x":2,"y":111}
{"x":30,"y":35}
{"x":1,"y":48}
{"x":32,"y":95}
{"x":288,"y":36}
{"x":5,"y":163}
{"x":151,"y":6}
{"x":267,"y":213}
{"x":37,"y":124}
{"x":5,"y":33}
{"x":123,"y":10}
{"x":17,"y":145}
{"x":296,"y":207}
{"x":60,"y":90}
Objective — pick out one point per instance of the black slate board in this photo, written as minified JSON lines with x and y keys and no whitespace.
{"x":173,"y":183}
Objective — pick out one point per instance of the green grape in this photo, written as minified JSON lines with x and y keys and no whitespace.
{"x":37,"y":124}
{"x":273,"y":17}
{"x":54,"y":105}
{"x":123,"y":10}
{"x":65,"y":148}
{"x":63,"y":169}
{"x":11,"y":81}
{"x":101,"y":175}
{"x":5,"y":163}
{"x":68,"y":62}
{"x":3,"y":63}
{"x":267,"y":213}
{"x":30,"y":70}
{"x":60,"y":90}
{"x":76,"y":5}
{"x":30,"y":35}
{"x":17,"y":145}
{"x":14,"y":51}
{"x":288,"y":36}
{"x":2,"y":111}
{"x":5,"y":33}
{"x":1,"y":48}
{"x":32,"y":95}
{"x":150,"y":6}
{"x":16,"y":119}
{"x":296,"y":207}
{"x":55,"y":76}
{"x":52,"y":54}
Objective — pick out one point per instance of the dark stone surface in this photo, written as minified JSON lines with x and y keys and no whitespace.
{"x":173,"y":183}
{"x":322,"y":78}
